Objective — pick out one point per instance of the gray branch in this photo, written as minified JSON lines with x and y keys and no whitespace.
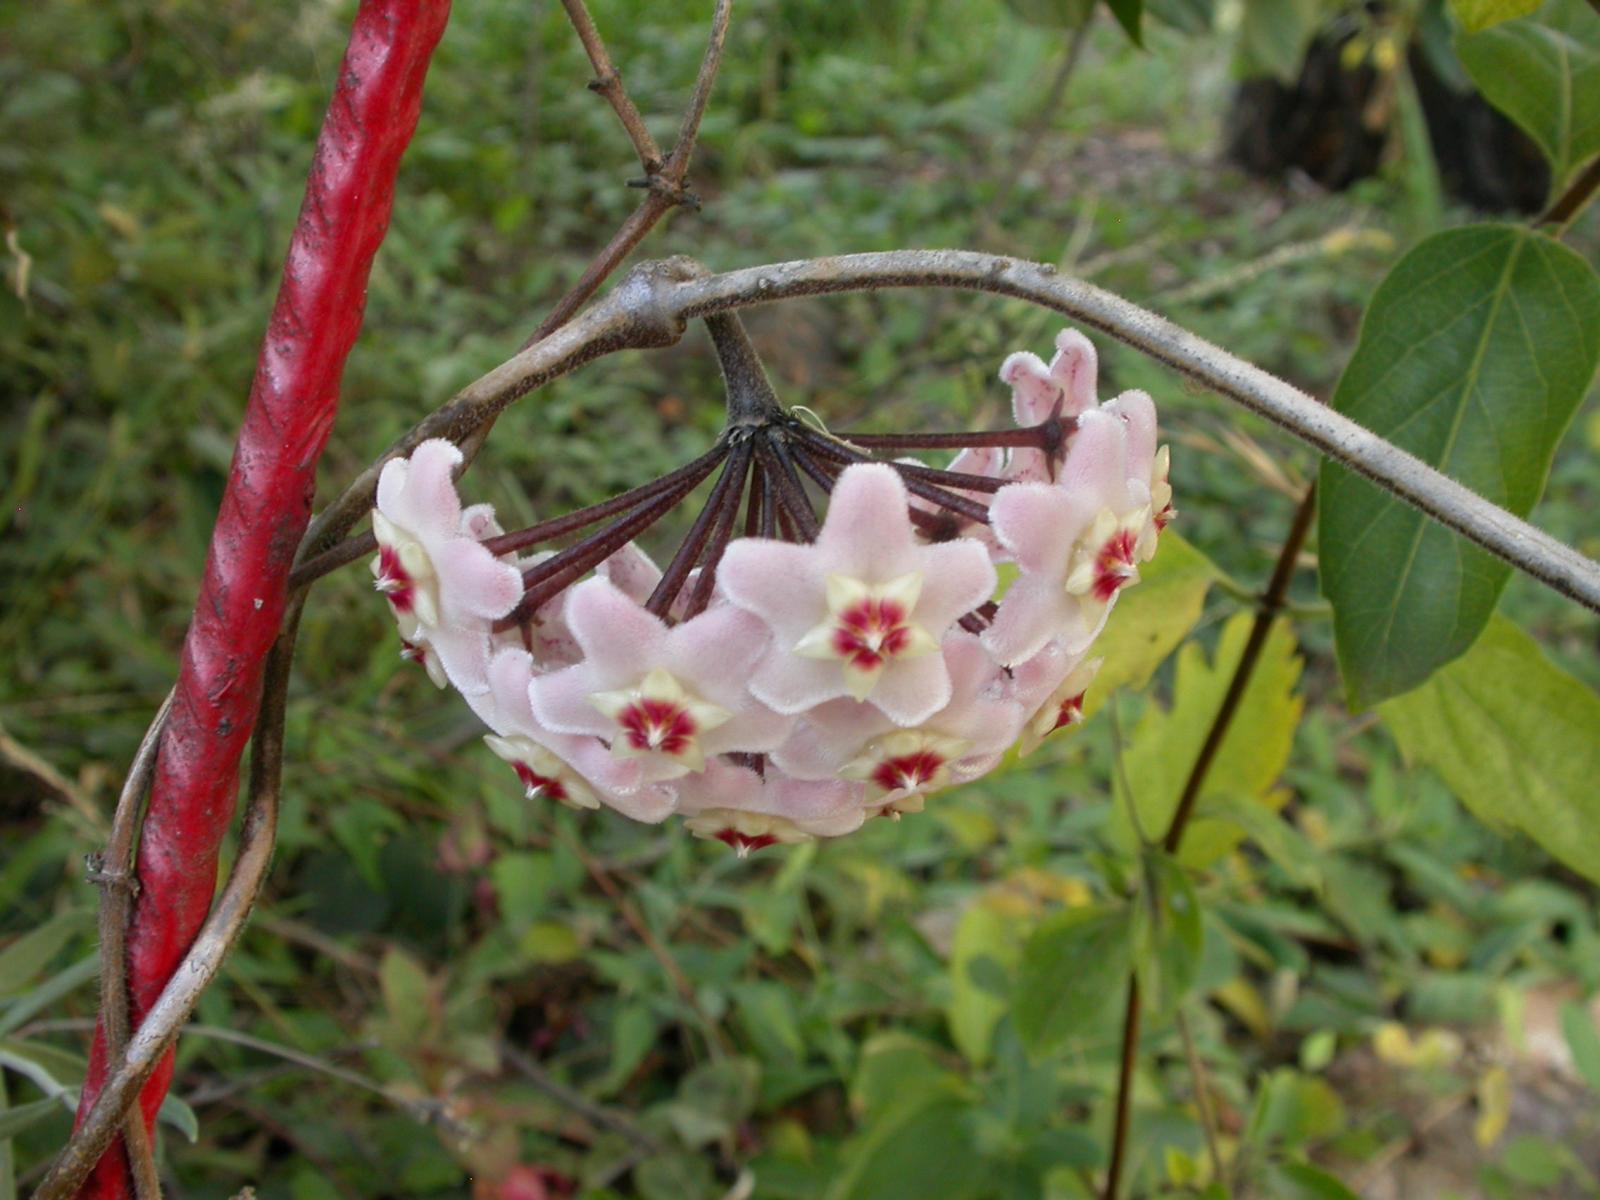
{"x":654,"y":302}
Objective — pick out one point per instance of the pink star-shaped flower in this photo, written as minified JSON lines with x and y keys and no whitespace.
{"x":1078,"y":542}
{"x":749,"y":811}
{"x":571,"y":769}
{"x":1050,"y":687}
{"x":965,"y":738}
{"x":1065,"y":389}
{"x":667,"y":697}
{"x":861,"y":612}
{"x":444,"y":588}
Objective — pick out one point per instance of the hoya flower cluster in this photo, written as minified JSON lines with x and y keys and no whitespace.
{"x":788,"y":676}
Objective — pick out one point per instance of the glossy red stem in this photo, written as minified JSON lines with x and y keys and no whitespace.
{"x":373,"y":112}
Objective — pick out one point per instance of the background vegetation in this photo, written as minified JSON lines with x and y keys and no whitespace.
{"x":1387,"y":988}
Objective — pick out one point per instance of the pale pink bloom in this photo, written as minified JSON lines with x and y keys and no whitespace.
{"x":1065,"y":389}
{"x":964,"y":739}
{"x":1145,"y":461}
{"x":573,"y":769}
{"x":668,"y":698}
{"x":444,"y":588}
{"x":748,"y":811}
{"x":1078,"y":543}
{"x":861,"y":612}
{"x":1050,"y":687}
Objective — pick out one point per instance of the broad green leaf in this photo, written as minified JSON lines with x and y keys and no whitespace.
{"x":1166,"y":743}
{"x":23,"y":959}
{"x":1186,"y":16}
{"x":1544,"y":73}
{"x":1583,"y":1039}
{"x":1480,"y":14}
{"x":1516,"y":738}
{"x":988,"y":942}
{"x":922,"y":1151}
{"x":180,"y":1116}
{"x":1052,"y":14}
{"x":1474,"y":355}
{"x":896,"y":1069}
{"x":633,"y":1033}
{"x":1302,"y":1181}
{"x":1273,"y":36}
{"x":1129,"y":14}
{"x":408,"y":997}
{"x":1072,"y":966}
{"x":1150,"y":620}
{"x":1295,"y":1109}
{"x":1281,"y":842}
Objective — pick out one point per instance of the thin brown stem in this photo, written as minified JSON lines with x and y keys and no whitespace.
{"x":915,"y":483}
{"x":608,"y":83}
{"x":664,"y":179}
{"x":1267,"y":611}
{"x":791,"y":492}
{"x":1202,"y":1096}
{"x":672,"y":579}
{"x":1030,"y":436}
{"x":581,"y":518}
{"x":114,"y":874}
{"x":1577,"y":196}
{"x":704,"y":586}
{"x":554,"y":575}
{"x":937,"y":527}
{"x":960,"y":480}
{"x":755,"y":512}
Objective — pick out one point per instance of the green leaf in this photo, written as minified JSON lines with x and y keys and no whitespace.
{"x":1474,"y":355}
{"x":895,"y":1069}
{"x":180,"y":1116}
{"x":1480,"y":14}
{"x":1302,"y":1181}
{"x":1273,"y":37}
{"x":1151,"y":620}
{"x":987,"y":942}
{"x":1583,"y":1039}
{"x":1178,"y":939}
{"x":24,"y":1116}
{"x":1516,"y":738}
{"x":1165,"y":744}
{"x":916,"y":1152}
{"x":1052,"y":14}
{"x":1295,"y":1109}
{"x":62,"y":983}
{"x":1281,"y":842}
{"x":1129,"y":14}
{"x":1186,"y":16}
{"x":29,"y":954}
{"x":1072,"y":966}
{"x":1544,"y":73}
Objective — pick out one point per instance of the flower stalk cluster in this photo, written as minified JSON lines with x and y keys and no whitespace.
{"x":828,"y":643}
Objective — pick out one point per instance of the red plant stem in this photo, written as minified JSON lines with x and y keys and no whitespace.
{"x":265,"y":508}
{"x":961,"y":480}
{"x":916,"y":483}
{"x":755,"y":513}
{"x":700,"y":598}
{"x":671,"y":582}
{"x":544,"y":580}
{"x":791,"y":492}
{"x":936,"y":526}
{"x":1034,"y":436}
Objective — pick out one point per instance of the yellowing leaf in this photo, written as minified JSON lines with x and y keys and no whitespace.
{"x":1516,"y":738}
{"x":1150,"y":620}
{"x":1494,"y":1106}
{"x":1165,"y":744}
{"x":1480,"y":14}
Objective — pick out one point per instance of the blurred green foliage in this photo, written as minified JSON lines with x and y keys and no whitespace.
{"x":836,"y":1018}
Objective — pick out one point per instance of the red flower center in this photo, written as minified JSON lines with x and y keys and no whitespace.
{"x":541,"y":785}
{"x":657,"y":725}
{"x":907,"y":771}
{"x":745,"y":842}
{"x":394,"y":581}
{"x":1070,"y":712}
{"x":1113,"y":566}
{"x":870,"y":632}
